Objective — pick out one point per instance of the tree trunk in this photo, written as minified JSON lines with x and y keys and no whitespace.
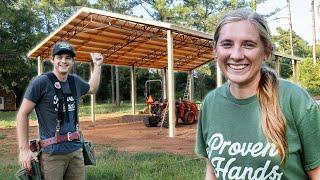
{"x":313,"y":33}
{"x":291,"y":42}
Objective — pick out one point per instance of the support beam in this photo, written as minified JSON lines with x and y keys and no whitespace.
{"x":171,"y":93}
{"x":117,"y":87}
{"x":295,"y":70}
{"x":133,"y":90}
{"x":277,"y":66}
{"x":112,"y":84}
{"x":219,"y":75}
{"x":40,"y":66}
{"x":93,"y":100}
{"x":191,"y":87}
{"x":165,"y":82}
{"x":74,"y":67}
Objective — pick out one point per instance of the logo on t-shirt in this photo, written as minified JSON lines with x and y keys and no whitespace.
{"x":70,"y":103}
{"x":230,"y":169}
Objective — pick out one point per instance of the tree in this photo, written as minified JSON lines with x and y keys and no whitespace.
{"x":282,"y":42}
{"x":19,"y":31}
{"x":313,"y":33}
{"x":309,"y":76}
{"x":254,"y":5}
{"x":116,"y":6}
{"x":160,"y":10}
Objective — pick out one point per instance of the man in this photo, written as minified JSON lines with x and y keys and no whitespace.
{"x":61,"y":156}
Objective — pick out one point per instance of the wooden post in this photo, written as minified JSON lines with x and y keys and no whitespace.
{"x":133,"y":90}
{"x":295,"y":68}
{"x":314,"y":35}
{"x":112,"y":84}
{"x":40,"y":66}
{"x":93,"y":100}
{"x":74,"y":67}
{"x":277,"y":65}
{"x":117,"y":87}
{"x":219,"y":75}
{"x":171,"y":96}
{"x":164,"y":84}
{"x":293,"y":61}
{"x":191,"y":86}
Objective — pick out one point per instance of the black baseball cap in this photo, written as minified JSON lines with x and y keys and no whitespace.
{"x":61,"y":47}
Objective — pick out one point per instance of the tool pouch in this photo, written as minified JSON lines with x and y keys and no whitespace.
{"x":88,"y":153}
{"x":35,"y":172}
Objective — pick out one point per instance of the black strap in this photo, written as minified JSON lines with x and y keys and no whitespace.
{"x":58,"y":92}
{"x":73,"y":89}
{"x":63,"y":97}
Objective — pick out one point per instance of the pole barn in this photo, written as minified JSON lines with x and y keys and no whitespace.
{"x":132,"y":42}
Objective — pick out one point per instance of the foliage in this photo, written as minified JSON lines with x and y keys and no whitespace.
{"x":309,"y":76}
{"x":282,"y":42}
{"x":18,"y":26}
{"x":117,"y":6}
{"x":54,"y":12}
{"x":161,"y":10}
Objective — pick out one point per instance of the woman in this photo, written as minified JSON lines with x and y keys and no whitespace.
{"x":256,"y":126}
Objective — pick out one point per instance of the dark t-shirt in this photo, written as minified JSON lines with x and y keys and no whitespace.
{"x":41,"y":92}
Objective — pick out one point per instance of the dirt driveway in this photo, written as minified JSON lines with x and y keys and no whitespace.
{"x":123,"y":132}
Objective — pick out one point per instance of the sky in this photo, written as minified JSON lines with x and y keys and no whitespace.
{"x":300,"y":15}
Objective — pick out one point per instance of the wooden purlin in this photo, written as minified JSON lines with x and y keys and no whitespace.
{"x":136,"y":27}
{"x":139,"y":45}
{"x":142,"y":28}
{"x":129,"y":39}
{"x":156,"y":54}
{"x":191,"y":57}
{"x":119,"y":46}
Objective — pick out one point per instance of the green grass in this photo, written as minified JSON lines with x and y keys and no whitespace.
{"x":115,"y":165}
{"x":8,"y":118}
{"x":85,"y":110}
{"x":145,"y":165}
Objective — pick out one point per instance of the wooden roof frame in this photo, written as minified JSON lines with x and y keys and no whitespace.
{"x":128,"y":41}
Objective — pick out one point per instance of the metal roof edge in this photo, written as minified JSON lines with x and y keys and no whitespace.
{"x":191,"y":32}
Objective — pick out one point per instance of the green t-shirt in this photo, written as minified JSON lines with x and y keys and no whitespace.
{"x":230,"y":135}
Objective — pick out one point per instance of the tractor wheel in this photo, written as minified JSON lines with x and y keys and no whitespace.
{"x":151,"y":121}
{"x":189,"y":118}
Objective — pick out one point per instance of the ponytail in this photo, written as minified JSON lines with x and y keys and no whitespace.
{"x":273,"y":120}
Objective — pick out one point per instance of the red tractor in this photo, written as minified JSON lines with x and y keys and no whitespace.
{"x":186,"y":111}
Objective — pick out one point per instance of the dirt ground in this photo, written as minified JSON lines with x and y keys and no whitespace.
{"x":123,"y":132}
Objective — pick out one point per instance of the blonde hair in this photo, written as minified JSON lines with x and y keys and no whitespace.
{"x":273,"y":119}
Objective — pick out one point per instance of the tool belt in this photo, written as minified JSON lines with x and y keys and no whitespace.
{"x":58,"y":138}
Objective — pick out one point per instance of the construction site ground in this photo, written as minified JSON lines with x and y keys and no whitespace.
{"x":122,"y":132}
